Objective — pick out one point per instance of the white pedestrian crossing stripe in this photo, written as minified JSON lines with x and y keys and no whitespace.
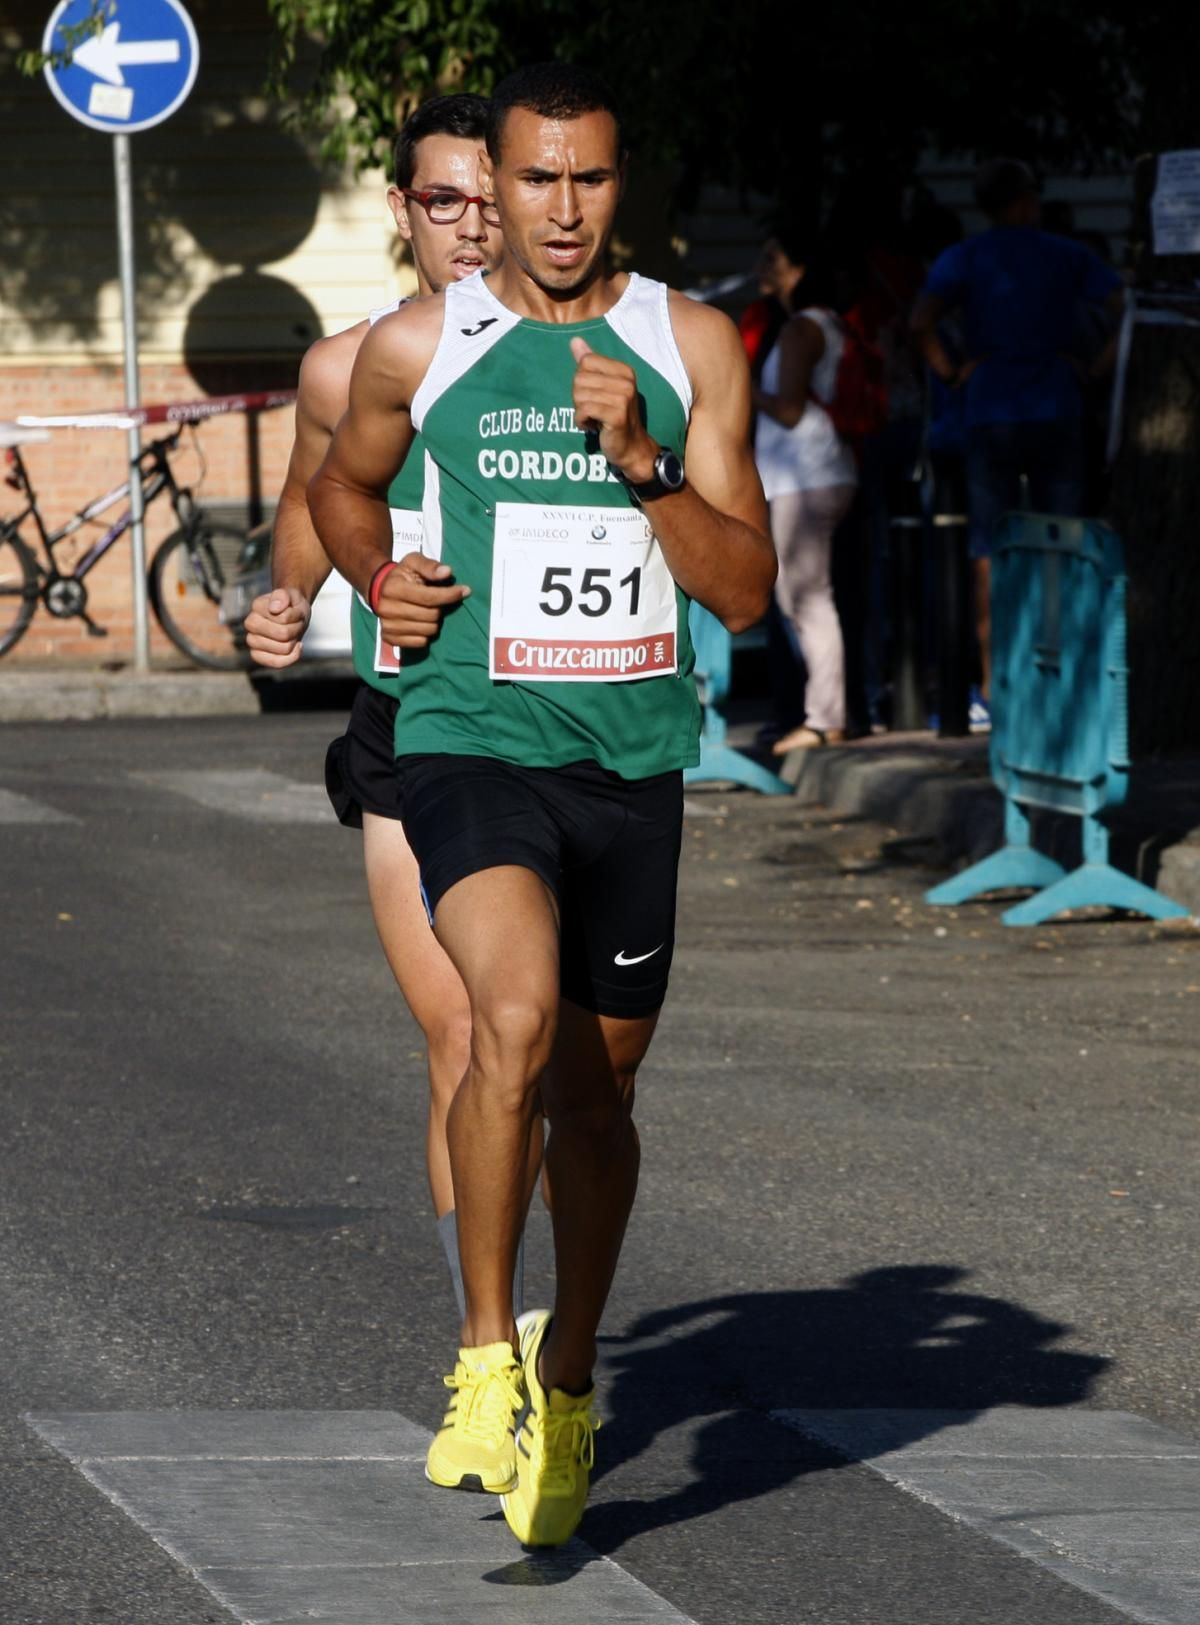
{"x":18,"y":809}
{"x":325,"y":1515}
{"x":253,"y":793}
{"x":1108,"y":1501}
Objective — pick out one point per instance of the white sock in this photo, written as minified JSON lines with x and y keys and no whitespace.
{"x":447,"y":1228}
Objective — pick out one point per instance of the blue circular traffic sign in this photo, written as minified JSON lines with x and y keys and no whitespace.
{"x":131,"y":75}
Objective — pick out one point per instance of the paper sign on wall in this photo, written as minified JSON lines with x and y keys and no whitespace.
{"x":1175,"y":206}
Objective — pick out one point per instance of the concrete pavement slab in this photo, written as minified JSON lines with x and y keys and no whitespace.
{"x":526,"y":1591}
{"x":233,"y":1436}
{"x":18,"y":809}
{"x":286,"y":1516}
{"x":1108,"y":1501}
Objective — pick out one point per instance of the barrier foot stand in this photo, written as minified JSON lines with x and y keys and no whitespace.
{"x":722,"y":763}
{"x":1017,"y":864}
{"x":1095,"y":884}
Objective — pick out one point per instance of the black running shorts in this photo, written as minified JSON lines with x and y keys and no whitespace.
{"x":360,"y":765}
{"x":608,"y":847}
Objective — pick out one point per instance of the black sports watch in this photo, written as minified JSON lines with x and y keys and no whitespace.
{"x":668,"y":476}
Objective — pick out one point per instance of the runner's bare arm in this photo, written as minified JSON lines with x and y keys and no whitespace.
{"x":297,"y":557}
{"x":714,"y":532}
{"x":347,"y":497}
{"x":801,"y":346}
{"x":300,"y":566}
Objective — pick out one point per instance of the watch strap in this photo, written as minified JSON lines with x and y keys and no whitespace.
{"x":647,"y":490}
{"x":655,"y":486}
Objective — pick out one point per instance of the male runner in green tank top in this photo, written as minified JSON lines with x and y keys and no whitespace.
{"x":435,"y":203}
{"x":588,"y":472}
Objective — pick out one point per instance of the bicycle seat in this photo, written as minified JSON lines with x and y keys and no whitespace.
{"x":12,"y":434}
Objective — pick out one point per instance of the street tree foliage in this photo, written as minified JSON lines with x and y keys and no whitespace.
{"x":91,"y":26}
{"x":355,"y":69}
{"x":764,"y":95}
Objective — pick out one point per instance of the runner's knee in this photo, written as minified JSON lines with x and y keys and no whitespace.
{"x":600,"y":1116}
{"x":511,"y":1035}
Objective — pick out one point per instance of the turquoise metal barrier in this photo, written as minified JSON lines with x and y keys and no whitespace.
{"x":1059,"y":716}
{"x":718,"y":759}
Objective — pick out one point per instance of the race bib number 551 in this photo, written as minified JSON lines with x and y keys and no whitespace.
{"x":579,"y":594}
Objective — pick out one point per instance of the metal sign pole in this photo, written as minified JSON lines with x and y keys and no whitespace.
{"x":130,"y":76}
{"x":141,"y":623}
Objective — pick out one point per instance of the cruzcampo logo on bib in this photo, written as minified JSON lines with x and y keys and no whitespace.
{"x":579,"y":594}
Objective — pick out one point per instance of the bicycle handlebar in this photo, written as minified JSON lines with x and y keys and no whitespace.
{"x":158,"y":450}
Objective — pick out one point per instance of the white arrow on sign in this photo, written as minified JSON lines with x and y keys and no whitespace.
{"x":104,"y":55}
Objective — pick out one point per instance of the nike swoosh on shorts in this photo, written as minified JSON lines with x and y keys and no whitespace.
{"x":621,"y":959}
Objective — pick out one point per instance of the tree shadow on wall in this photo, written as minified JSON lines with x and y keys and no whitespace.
{"x":235,"y":186}
{"x":249,"y":331}
{"x":58,"y":235}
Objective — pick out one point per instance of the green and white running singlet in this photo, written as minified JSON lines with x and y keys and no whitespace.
{"x":573,"y":645}
{"x":376,"y":662}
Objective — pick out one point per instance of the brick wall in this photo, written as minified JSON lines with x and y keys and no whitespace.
{"x":242,"y":457}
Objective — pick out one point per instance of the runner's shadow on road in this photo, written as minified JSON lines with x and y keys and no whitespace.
{"x":904,"y":1338}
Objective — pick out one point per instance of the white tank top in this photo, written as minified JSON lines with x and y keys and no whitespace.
{"x":811,"y":454}
{"x":377,"y":315}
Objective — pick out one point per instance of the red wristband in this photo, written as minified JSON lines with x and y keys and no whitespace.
{"x":377,"y":581}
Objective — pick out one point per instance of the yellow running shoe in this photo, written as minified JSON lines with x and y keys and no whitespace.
{"x":555,"y":1452}
{"x":473,"y":1449}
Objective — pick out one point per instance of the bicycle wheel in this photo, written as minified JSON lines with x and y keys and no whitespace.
{"x":189,"y":572}
{"x":18,"y":588}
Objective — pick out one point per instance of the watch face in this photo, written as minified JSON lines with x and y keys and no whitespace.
{"x":669,"y":470}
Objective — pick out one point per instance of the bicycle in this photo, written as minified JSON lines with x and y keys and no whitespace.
{"x":186,"y":579}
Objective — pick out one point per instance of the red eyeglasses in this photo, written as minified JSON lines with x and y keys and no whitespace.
{"x":445,"y":208}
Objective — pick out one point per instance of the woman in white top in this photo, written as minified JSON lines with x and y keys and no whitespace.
{"x":809,"y":477}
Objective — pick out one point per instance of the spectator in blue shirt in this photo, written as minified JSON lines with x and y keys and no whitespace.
{"x":1019,"y":292}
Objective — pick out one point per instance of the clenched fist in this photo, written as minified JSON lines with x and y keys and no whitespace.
{"x":606,"y":401}
{"x":413,"y":600}
{"x":276,"y":625}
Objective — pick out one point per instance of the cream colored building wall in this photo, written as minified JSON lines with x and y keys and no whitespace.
{"x":246,"y":244}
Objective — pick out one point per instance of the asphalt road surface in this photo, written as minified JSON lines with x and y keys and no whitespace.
{"x":906,"y":1322}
